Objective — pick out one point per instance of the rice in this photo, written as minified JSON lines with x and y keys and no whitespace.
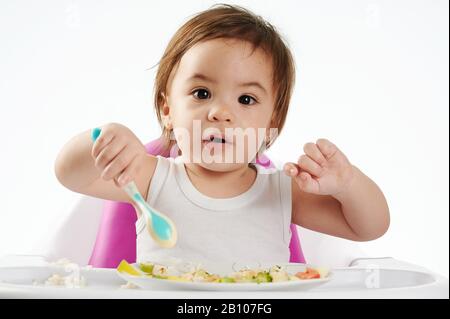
{"x":74,"y":279}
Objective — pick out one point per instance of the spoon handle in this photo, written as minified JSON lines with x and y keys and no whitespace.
{"x":133,"y":192}
{"x":130,"y":188}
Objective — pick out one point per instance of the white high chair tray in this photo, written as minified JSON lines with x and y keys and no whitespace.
{"x":350,"y":282}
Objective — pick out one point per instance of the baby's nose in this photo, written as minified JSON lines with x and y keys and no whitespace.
{"x":220,"y":114}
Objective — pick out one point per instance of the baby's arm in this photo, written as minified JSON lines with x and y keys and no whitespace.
{"x":331,"y":196}
{"x":99,"y":169}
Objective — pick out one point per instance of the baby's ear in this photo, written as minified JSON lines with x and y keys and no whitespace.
{"x":165,"y":111}
{"x":164,"y":107}
{"x":165,"y":115}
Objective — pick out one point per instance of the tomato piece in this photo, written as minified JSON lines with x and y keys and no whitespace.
{"x":310,"y":273}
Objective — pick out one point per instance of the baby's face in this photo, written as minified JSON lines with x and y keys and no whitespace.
{"x":220,"y":89}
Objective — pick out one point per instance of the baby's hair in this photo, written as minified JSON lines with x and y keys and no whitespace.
{"x":233,"y":22}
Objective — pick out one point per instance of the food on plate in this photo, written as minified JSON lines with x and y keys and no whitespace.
{"x":71,"y":279}
{"x":308,"y":274}
{"x":198,"y":274}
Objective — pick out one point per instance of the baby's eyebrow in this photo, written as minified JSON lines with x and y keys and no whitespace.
{"x":199,"y":76}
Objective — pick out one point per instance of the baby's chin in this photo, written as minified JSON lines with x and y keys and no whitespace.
{"x":221,"y":167}
{"x":218,"y":163}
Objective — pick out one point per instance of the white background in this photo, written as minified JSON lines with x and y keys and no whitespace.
{"x":372,"y":78}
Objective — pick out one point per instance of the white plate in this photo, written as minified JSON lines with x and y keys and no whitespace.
{"x":164,"y":284}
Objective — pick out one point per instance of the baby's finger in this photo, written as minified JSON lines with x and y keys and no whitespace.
{"x":128,"y":174}
{"x":307,"y":164}
{"x":118,"y":164}
{"x":313,"y":151}
{"x":327,"y":148}
{"x":108,"y":154}
{"x":307,"y":183}
{"x":102,"y":140}
{"x":290,"y":169}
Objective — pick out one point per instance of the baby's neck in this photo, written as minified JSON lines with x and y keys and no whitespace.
{"x":221,"y":184}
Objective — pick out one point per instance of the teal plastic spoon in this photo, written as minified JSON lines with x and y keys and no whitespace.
{"x":160,"y":227}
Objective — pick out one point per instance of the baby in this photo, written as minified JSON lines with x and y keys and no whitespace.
{"x":222,"y":93}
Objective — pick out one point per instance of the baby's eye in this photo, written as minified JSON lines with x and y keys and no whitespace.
{"x":247,"y":99}
{"x":201,"y":94}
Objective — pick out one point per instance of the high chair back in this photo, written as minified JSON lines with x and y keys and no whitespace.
{"x":116,"y":237}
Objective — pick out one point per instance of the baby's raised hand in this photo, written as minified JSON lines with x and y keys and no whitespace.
{"x":117,"y":153}
{"x":322,"y":170}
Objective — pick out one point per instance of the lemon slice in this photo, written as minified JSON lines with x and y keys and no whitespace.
{"x":125,"y":267}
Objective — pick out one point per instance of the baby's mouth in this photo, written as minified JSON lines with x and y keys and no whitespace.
{"x":215,"y":139}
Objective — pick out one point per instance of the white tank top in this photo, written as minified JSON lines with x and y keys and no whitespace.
{"x":253,"y":227}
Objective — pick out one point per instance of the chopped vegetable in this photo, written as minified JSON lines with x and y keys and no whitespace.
{"x":263,"y":276}
{"x":146,"y":267}
{"x":278,"y":274}
{"x":227,"y":279}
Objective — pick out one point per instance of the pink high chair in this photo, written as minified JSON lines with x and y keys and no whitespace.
{"x":116,"y":237}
